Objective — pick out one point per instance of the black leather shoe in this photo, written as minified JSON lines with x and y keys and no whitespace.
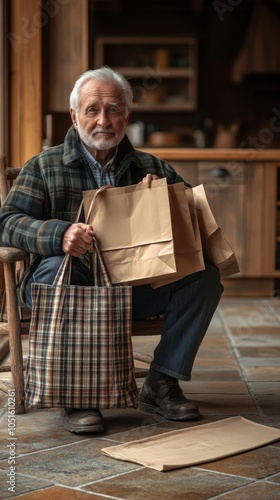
{"x":75,"y":420}
{"x":166,"y":398}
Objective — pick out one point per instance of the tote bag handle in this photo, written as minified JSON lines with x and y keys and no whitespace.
{"x":63,"y":275}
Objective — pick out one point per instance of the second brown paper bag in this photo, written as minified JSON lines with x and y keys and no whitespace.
{"x":187,"y":241}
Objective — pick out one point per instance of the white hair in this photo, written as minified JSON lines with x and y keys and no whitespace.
{"x":104,"y":74}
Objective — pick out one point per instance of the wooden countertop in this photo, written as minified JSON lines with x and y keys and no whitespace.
{"x":180,"y":154}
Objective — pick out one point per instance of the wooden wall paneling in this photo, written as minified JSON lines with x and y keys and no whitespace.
{"x":66,"y":53}
{"x":25,"y":134}
{"x":187,"y":170}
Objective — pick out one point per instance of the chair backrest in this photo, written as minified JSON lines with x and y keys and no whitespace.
{"x":7,"y":176}
{"x":3,"y":180}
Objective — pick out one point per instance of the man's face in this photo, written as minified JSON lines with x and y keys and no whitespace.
{"x":102,"y":117}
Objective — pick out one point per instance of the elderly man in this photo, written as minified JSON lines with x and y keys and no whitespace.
{"x":39,"y":213}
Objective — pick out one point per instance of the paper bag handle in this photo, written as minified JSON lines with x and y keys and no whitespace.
{"x":98,"y":192}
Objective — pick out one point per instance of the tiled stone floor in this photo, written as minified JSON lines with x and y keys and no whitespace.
{"x":237,"y":372}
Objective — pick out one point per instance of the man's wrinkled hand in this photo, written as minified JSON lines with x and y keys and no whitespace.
{"x":148,"y":179}
{"x":77,"y":239}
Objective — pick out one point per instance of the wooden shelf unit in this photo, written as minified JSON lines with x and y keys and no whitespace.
{"x":161,"y":70}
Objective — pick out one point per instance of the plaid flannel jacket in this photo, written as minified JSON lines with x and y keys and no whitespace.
{"x":45,"y":198}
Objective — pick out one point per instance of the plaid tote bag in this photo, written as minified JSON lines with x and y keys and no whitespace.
{"x":80,"y":350}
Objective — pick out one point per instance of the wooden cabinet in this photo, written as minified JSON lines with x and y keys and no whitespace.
{"x":243,"y":190}
{"x":236,"y":195}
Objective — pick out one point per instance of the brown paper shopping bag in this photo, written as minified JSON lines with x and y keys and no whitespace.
{"x":215,"y":246}
{"x":134,"y":231}
{"x":187,"y":242}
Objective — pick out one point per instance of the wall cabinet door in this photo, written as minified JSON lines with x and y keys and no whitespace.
{"x":272,"y":218}
{"x":187,"y":170}
{"x":225,"y":184}
{"x":255,"y":217}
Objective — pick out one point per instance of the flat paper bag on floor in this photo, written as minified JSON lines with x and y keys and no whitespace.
{"x":215,"y":246}
{"x":134,"y":231}
{"x":195,"y":445}
{"x":187,"y":241}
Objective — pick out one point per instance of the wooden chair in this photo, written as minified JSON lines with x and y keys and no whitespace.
{"x":10,"y":256}
{"x":17,"y":324}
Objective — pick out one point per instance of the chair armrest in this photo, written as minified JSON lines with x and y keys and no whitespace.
{"x":12,"y":254}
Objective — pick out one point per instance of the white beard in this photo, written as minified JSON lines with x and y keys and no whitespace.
{"x":101,"y":143}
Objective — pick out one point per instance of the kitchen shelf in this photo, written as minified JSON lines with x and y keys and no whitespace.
{"x":165,"y":73}
{"x":180,"y":107}
{"x":160,"y":70}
